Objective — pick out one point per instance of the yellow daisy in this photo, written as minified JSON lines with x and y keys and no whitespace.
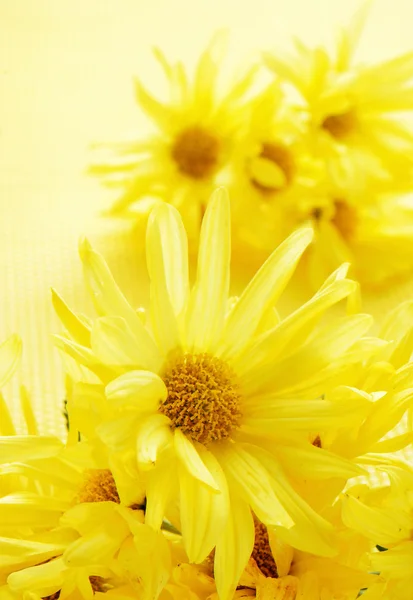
{"x":373,"y":235}
{"x":196,"y":127}
{"x":216,"y":395}
{"x":273,"y":175}
{"x":354,"y":116}
{"x":78,"y":528}
{"x":276,"y":571}
{"x":389,"y":523}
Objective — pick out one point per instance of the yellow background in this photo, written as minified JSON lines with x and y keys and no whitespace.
{"x":66,"y":71}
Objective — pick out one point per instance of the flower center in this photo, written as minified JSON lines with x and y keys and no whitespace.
{"x":98,"y":585}
{"x":273,"y":169}
{"x":203,"y":398}
{"x":262,"y":551}
{"x":345,"y":219}
{"x":317,"y":442}
{"x":196,"y":151}
{"x":98,"y":486}
{"x":340,"y":126}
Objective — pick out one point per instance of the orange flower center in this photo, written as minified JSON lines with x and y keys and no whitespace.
{"x":98,"y":486}
{"x":262,"y":551}
{"x":345,"y":219}
{"x":340,"y":126}
{"x":196,"y":152}
{"x":203,"y":398}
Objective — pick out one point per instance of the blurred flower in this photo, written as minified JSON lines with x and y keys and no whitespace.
{"x":354,"y":110}
{"x":196,"y":133}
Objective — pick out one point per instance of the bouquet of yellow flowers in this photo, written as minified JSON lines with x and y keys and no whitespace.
{"x":218,"y":449}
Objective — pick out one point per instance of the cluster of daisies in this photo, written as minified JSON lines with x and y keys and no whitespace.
{"x":217,"y":450}
{"x":305,"y":137}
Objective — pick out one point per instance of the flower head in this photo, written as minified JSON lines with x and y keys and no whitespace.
{"x":355,"y":119}
{"x":216,"y":397}
{"x":195,"y":137}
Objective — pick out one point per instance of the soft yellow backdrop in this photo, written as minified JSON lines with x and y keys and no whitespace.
{"x":65,"y":80}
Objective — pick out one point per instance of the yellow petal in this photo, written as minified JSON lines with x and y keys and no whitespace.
{"x":208,"y":302}
{"x":108,"y":298}
{"x":26,"y":447}
{"x":310,"y":532}
{"x":167,"y":260}
{"x":381,"y":525}
{"x":191,"y":460}
{"x":142,"y":390}
{"x":203,"y":511}
{"x":234,"y":548}
{"x":10,"y":351}
{"x":161,"y":486}
{"x":263,"y":292}
{"x":153,"y":435}
{"x":47,"y":578}
{"x":76,"y":328}
{"x":115,"y":344}
{"x":254,"y":483}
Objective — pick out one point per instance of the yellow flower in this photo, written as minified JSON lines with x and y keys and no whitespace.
{"x":195,"y":136}
{"x":373,"y":236}
{"x":387,"y":519}
{"x":218,"y":394}
{"x":79,"y":528}
{"x":278,"y":572}
{"x":353,"y":116}
{"x":272,"y":175}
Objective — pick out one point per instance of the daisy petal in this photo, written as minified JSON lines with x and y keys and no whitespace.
{"x":115,"y":344}
{"x":76,"y":328}
{"x":254,"y":482}
{"x":310,"y":532}
{"x":10,"y":351}
{"x":20,"y":448}
{"x":191,"y":460}
{"x":142,"y":390}
{"x":167,"y":260}
{"x":234,"y":548}
{"x":208,"y":303}
{"x":203,"y":511}
{"x":263,"y":292}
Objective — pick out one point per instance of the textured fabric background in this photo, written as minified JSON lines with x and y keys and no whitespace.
{"x":65,"y":80}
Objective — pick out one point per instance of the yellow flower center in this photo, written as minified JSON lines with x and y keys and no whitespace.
{"x":196,"y":151}
{"x":273,"y":169}
{"x":203,"y":398}
{"x":99,"y":486}
{"x":345,"y":219}
{"x":340,"y":126}
{"x":262,"y":551}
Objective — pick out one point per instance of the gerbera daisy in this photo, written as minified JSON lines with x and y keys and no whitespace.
{"x":211,"y":390}
{"x":354,"y":110}
{"x":195,"y":137}
{"x":387,"y":519}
